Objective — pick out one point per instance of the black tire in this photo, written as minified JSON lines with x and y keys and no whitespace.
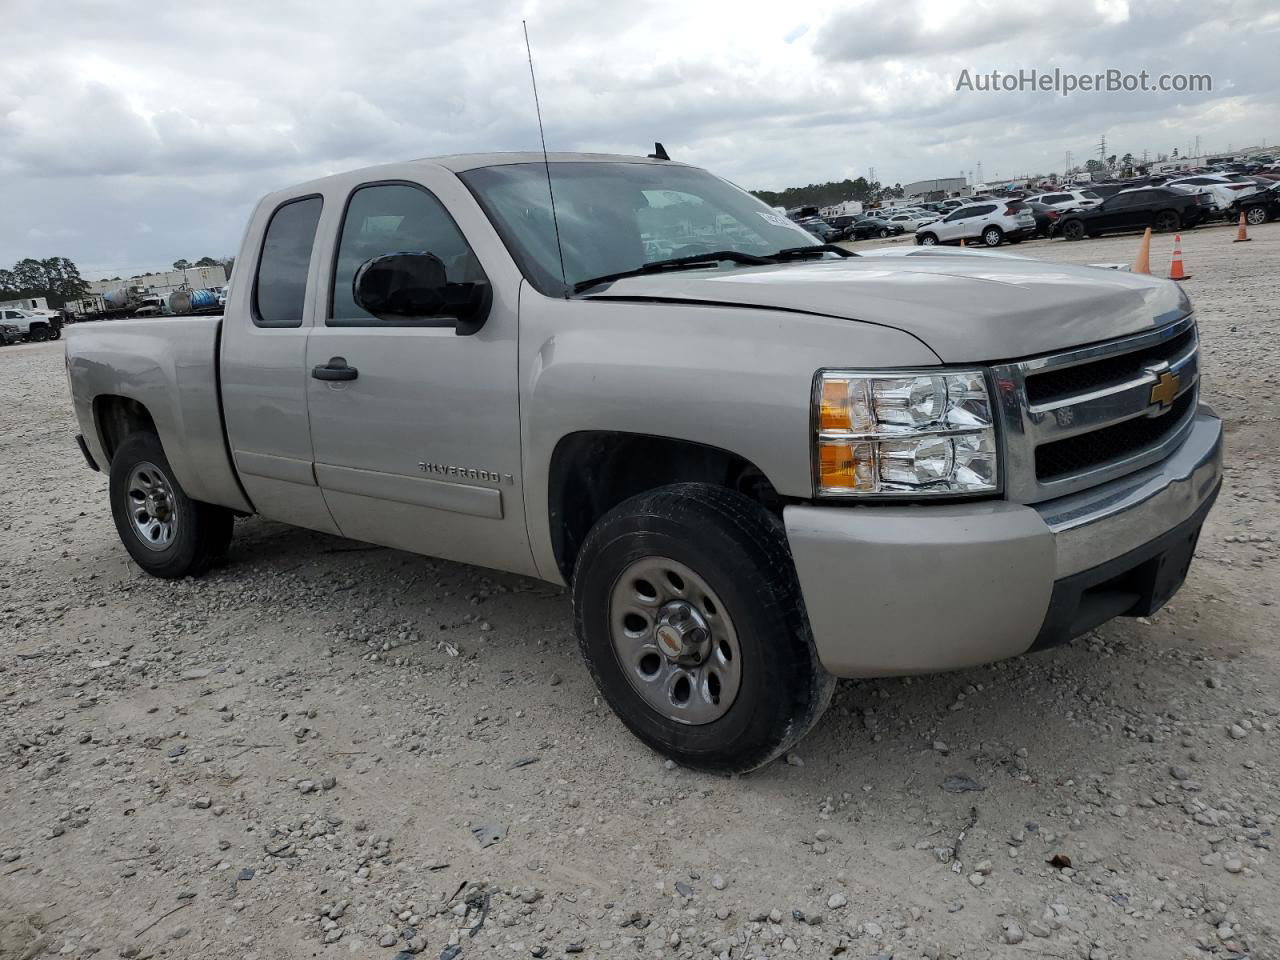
{"x":739,"y":549}
{"x":39,"y":334}
{"x":927,"y":240}
{"x":55,"y":333}
{"x":1166,"y":221}
{"x":1255,"y":216}
{"x":1073,"y":230}
{"x":883,"y":233}
{"x":992,"y":236}
{"x":202,"y":531}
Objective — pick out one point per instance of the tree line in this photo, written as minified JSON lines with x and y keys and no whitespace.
{"x":829,"y":194}
{"x":56,"y":279}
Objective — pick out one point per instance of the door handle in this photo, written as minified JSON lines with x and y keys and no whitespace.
{"x":335,"y":369}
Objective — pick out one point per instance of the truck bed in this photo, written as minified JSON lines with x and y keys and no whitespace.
{"x":169,"y":366}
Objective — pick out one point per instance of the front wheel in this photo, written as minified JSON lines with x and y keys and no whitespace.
{"x":883,"y":233}
{"x":39,"y":334}
{"x":166,"y":532}
{"x":927,"y":240}
{"x":1255,"y":216}
{"x":1073,"y":230}
{"x":690,"y":619}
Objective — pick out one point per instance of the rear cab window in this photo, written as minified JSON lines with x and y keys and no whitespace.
{"x":280,"y":284}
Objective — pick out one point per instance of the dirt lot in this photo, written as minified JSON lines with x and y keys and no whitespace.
{"x":305,"y":753}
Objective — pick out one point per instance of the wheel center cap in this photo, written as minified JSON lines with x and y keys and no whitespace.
{"x":158,"y":506}
{"x":682,"y":633}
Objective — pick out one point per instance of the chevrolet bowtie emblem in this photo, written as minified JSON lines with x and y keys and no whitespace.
{"x":1165,"y":390}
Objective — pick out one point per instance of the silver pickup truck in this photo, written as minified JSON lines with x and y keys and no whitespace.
{"x":760,"y":462}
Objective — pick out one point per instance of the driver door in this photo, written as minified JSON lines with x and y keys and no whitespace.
{"x":419,"y":448}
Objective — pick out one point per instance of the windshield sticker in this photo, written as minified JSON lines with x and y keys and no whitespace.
{"x":773,"y":218}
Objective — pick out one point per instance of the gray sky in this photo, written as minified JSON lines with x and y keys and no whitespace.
{"x":134,"y":133}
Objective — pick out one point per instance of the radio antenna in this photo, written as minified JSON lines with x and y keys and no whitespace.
{"x":545,"y":161}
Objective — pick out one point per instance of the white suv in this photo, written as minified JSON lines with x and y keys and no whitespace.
{"x":990,"y":221}
{"x":1068,"y":199}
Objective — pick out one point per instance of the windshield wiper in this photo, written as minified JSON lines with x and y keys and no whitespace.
{"x":678,"y":263}
{"x":799,"y":253}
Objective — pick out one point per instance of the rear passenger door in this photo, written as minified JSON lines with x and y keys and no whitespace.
{"x":264,"y":344}
{"x":420,"y":450}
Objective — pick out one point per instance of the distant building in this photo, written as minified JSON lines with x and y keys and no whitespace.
{"x":192,"y":278}
{"x":942,"y":186}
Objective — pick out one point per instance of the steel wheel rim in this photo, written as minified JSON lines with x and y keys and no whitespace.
{"x":695,"y":684}
{"x":152,"y":511}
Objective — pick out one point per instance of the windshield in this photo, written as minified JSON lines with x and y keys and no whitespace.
{"x":616,"y":217}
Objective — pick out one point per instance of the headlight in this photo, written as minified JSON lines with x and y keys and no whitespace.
{"x":908,"y":433}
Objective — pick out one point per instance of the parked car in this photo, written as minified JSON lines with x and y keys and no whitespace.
{"x":869,"y":227}
{"x":992,"y":223}
{"x":1160,"y":208}
{"x":459,"y":384}
{"x":910,"y":222}
{"x":33,"y":326}
{"x":9,"y":333}
{"x":1067,"y":199}
{"x":1223,"y":191}
{"x":820,"y":229}
{"x":1259,"y":207}
{"x":1046,"y":217}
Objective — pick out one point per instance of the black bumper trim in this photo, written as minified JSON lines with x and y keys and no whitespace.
{"x":88,"y":457}
{"x":1136,"y":584}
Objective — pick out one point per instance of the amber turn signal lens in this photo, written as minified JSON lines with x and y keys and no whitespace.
{"x":835,"y":405}
{"x":846,"y":467}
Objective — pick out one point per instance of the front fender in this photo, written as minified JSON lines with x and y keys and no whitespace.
{"x":736,"y":378}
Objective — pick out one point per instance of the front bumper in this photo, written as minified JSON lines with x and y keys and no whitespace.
{"x":916,"y":589}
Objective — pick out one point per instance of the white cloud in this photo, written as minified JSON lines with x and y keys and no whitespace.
{"x":120,"y":115}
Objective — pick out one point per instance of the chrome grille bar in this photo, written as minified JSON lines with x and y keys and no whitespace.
{"x":1028,"y":426}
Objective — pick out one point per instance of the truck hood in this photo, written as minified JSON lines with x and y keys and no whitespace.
{"x":968,"y":308}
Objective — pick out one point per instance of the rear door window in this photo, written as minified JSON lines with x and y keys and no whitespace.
{"x":280,"y":286}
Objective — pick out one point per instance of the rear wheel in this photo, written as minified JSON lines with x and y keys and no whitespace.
{"x":690,"y":619}
{"x":1255,"y":216}
{"x":166,"y":532}
{"x":992,"y":236}
{"x":1166,"y":221}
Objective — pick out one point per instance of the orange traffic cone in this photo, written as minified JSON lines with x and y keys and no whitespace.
{"x":1142,"y":262}
{"x":962,"y":241}
{"x":1242,"y":232}
{"x":1176,"y":272}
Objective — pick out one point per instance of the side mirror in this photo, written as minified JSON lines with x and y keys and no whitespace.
{"x":412,"y":288}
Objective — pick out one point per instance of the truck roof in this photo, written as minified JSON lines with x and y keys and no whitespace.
{"x":460,"y":163}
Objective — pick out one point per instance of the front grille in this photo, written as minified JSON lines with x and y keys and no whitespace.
{"x":1071,"y":381}
{"x":1080,"y":418}
{"x":1088,"y":450}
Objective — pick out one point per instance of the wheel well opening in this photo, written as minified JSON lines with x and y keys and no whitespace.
{"x":117,"y":418}
{"x":592,"y":472}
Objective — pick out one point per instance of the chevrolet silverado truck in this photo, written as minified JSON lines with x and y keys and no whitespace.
{"x":758,"y":461}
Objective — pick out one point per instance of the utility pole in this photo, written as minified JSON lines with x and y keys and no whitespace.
{"x":980,"y":171}
{"x":1066,"y":171}
{"x":1197,"y":145}
{"x":1102,"y":149}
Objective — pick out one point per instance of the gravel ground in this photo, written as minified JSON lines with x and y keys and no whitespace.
{"x":324,"y":749}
